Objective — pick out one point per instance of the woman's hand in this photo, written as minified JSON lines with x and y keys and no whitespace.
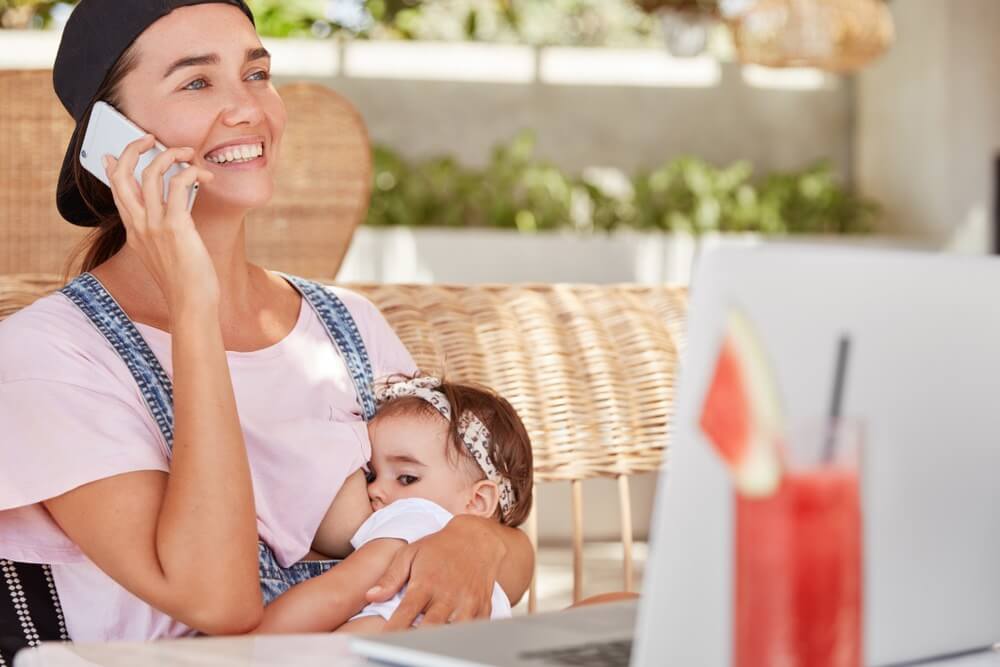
{"x":163,"y":235}
{"x":451,"y":574}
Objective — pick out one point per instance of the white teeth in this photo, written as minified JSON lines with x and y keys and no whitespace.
{"x":238,"y":154}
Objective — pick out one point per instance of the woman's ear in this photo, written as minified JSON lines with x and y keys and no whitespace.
{"x":484,"y":499}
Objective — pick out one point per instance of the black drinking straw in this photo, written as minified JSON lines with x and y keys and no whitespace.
{"x":837,"y":398}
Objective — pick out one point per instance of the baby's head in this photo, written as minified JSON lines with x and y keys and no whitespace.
{"x":460,"y":446}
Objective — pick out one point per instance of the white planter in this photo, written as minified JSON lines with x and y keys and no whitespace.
{"x":470,"y":256}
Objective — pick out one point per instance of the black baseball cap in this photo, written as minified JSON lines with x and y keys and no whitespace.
{"x":96,"y":35}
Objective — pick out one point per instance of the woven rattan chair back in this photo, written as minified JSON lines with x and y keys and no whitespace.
{"x":321,"y":193}
{"x":590,"y":369}
{"x":34,"y":132}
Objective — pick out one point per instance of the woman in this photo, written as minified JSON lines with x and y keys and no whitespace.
{"x":245,"y":401}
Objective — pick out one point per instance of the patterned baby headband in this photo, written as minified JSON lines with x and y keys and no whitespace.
{"x":475,"y":436}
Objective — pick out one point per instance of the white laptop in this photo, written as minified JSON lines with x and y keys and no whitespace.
{"x":924,"y":376}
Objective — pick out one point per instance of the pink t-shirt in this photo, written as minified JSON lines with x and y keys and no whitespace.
{"x":71,"y":413}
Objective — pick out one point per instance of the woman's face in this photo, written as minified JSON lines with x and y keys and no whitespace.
{"x":202,"y":80}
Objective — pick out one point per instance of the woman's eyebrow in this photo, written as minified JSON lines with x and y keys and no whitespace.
{"x":213,"y":59}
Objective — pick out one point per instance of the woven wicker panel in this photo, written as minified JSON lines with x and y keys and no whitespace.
{"x":323,"y":186}
{"x":590,"y":369}
{"x":34,"y":132}
{"x":321,"y":195}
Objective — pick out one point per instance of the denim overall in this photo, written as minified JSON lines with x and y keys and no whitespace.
{"x":87,"y":293}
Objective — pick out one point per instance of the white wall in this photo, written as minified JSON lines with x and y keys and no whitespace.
{"x":621,"y":126}
{"x":928,"y":122}
{"x":620,"y":108}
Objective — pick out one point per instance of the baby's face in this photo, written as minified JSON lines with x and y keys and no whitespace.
{"x":410,"y":459}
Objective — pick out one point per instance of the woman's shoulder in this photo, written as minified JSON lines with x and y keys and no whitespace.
{"x":49,"y":339}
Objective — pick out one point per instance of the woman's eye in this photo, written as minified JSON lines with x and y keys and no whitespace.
{"x":192,"y":86}
{"x":261,"y":75}
{"x":406,"y":480}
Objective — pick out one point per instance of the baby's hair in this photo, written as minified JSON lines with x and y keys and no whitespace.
{"x":510,"y":445}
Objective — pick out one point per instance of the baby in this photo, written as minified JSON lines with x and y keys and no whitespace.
{"x":438,"y":449}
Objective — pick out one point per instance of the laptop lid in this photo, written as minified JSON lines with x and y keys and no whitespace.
{"x":924,"y":376}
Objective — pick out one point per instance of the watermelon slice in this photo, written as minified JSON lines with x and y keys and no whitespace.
{"x":742,"y":414}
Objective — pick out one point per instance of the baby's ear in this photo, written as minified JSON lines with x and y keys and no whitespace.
{"x":484,"y":499}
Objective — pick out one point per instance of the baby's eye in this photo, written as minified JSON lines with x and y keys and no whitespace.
{"x":369,"y":475}
{"x":406,"y":480}
{"x":191,"y":86}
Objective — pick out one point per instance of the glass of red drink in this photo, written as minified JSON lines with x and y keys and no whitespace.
{"x":798,"y":566}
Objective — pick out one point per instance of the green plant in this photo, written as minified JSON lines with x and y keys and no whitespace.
{"x":538,"y":22}
{"x":287,"y":18}
{"x":516,"y":190}
{"x":25,"y":13}
{"x":513,"y":190}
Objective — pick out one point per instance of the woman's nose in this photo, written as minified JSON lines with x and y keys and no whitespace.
{"x":243,"y":109}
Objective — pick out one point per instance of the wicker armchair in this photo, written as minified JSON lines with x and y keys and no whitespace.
{"x":589,"y":368}
{"x":306,"y":229}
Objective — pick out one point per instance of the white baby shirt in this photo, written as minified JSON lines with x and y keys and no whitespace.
{"x":410,"y":519}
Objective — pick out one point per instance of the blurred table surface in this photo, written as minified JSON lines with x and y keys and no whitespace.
{"x":258,"y":651}
{"x":262,"y":651}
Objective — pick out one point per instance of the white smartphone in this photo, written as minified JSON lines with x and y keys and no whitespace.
{"x":108,"y":133}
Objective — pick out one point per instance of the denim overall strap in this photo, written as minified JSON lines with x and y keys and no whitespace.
{"x":343,"y":331}
{"x":89,"y":295}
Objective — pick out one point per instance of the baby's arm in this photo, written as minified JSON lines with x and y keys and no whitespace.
{"x":323,"y":603}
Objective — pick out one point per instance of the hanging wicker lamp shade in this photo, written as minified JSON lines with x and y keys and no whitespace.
{"x":835,"y":35}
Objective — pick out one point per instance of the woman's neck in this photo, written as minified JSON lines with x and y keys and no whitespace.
{"x":240,"y":282}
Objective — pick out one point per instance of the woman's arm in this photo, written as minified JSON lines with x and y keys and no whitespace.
{"x":451,"y":573}
{"x":186,"y":542}
{"x":326,"y":602}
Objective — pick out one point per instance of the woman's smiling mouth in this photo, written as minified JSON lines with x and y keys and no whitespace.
{"x":248,"y":154}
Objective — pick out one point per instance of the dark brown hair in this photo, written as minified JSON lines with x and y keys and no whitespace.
{"x":510,"y":445}
{"x":108,"y":236}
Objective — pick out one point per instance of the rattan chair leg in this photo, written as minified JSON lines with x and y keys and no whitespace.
{"x":577,"y":487}
{"x":625,"y":503}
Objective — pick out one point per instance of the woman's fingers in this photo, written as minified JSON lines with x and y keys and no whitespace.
{"x":439,"y":613}
{"x":179,"y":188}
{"x":152,"y":176}
{"x":412,"y":605}
{"x":465,"y":611}
{"x":484,"y":610}
{"x":127,"y":197}
{"x":125,"y":164}
{"x":392,"y":581}
{"x":123,"y":184}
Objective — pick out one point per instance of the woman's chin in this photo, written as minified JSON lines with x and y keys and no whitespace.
{"x":233,"y":199}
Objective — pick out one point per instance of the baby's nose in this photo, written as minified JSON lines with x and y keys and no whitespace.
{"x":375,"y":495}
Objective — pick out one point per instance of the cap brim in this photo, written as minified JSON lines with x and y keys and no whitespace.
{"x":69,"y":201}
